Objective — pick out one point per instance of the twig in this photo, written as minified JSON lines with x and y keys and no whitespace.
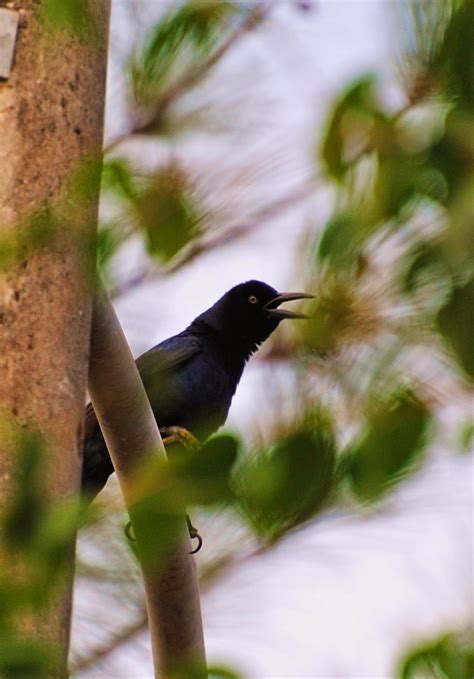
{"x":193,"y":76}
{"x":101,"y":652}
{"x":207,"y":579}
{"x":223,"y":237}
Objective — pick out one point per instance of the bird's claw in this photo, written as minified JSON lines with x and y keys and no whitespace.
{"x":129,"y":532}
{"x":193,"y":534}
{"x":199,"y":544}
{"x":179,"y":435}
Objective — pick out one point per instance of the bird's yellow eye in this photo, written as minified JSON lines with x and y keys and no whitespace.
{"x":253,"y":299}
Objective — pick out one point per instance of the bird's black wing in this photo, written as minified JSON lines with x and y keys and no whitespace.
{"x":166,"y":358}
{"x":156,"y":368}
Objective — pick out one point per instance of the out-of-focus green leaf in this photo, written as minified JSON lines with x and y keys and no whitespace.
{"x":447,"y":658}
{"x":456,"y":324}
{"x":203,"y":477}
{"x":454,"y":63}
{"x":107,"y":244}
{"x":168,"y":213}
{"x":219,"y":672}
{"x":24,"y":510}
{"x":118,"y":177}
{"x":55,"y":537}
{"x":74,"y":16}
{"x":165,"y":489}
{"x":340,"y":238}
{"x":287,"y":484}
{"x":37,"y":230}
{"x":157,"y":522}
{"x":193,"y":670}
{"x":392,"y":440}
{"x":466,"y":438}
{"x":425,"y":258}
{"x":331,"y":316}
{"x":395,"y":185}
{"x":23,"y":658}
{"x":351,"y":124}
{"x":453,"y":154}
{"x":183,"y":37}
{"x":84,"y":181}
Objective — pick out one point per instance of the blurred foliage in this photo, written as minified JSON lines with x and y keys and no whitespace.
{"x":284,"y":485}
{"x":164,"y":489}
{"x":391,"y":441}
{"x":390,"y":168}
{"x":167,"y":213}
{"x":36,"y":231}
{"x":466,"y":438}
{"x":449,"y":657}
{"x":456,"y":324}
{"x":196,"y":671}
{"x":162,"y":205}
{"x":183,"y":38}
{"x":37,"y":540}
{"x":74,"y":16}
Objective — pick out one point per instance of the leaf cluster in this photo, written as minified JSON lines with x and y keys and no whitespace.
{"x":448,"y":657}
{"x":390,"y":167}
{"x":37,"y":542}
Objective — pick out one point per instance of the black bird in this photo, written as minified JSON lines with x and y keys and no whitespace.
{"x":191,"y":378}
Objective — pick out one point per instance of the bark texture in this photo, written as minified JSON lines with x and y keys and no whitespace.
{"x":51,"y":119}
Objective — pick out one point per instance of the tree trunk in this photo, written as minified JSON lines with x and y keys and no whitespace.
{"x":51,"y":119}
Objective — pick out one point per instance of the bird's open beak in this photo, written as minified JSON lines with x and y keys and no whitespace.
{"x":271,"y":306}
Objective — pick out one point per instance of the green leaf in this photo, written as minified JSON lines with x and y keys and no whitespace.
{"x":453,"y":155}
{"x":287,"y":484}
{"x":352,"y":118}
{"x":108,"y":242}
{"x":425,"y":259}
{"x":454,"y":63}
{"x":399,"y":180}
{"x":74,"y":16}
{"x":23,"y":658}
{"x":392,"y":440}
{"x":449,"y":657}
{"x":203,"y":477}
{"x":219,"y":672}
{"x":26,"y":507}
{"x":466,"y":437}
{"x":118,"y":177}
{"x":157,"y":522}
{"x":55,"y":537}
{"x":340,"y":239}
{"x":456,"y":324}
{"x":183,"y":37}
{"x":168,"y":213}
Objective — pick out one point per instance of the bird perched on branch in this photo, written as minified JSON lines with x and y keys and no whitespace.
{"x":190,"y":378}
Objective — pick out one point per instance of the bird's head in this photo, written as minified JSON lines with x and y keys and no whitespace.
{"x":248,"y":313}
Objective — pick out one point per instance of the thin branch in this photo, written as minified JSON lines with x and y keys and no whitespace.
{"x":132,"y":436}
{"x":193,"y":76}
{"x":207,"y":579}
{"x":221,"y":238}
{"x":102,"y":652}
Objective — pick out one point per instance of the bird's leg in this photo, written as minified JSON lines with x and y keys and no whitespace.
{"x":183,"y":437}
{"x":179,"y":435}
